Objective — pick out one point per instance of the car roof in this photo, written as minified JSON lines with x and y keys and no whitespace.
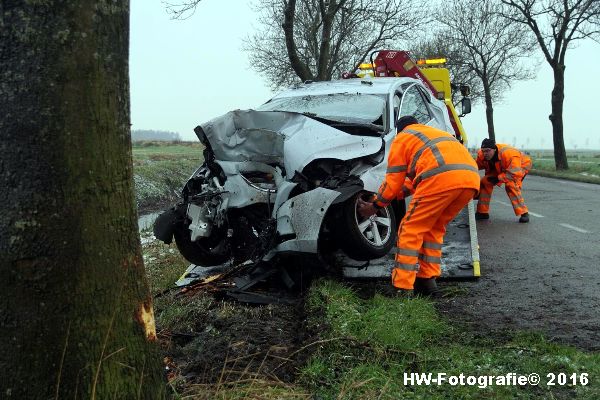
{"x":383,"y":85}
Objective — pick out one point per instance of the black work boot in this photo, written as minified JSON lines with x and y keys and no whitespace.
{"x":426,"y":287}
{"x":392,"y":291}
{"x":524,"y":218}
{"x":479,"y":215}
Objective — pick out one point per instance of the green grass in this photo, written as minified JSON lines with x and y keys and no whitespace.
{"x":584,"y":166}
{"x":161,"y":169}
{"x":368,"y":345}
{"x":164,"y":265}
{"x":583,"y":169}
{"x":166,"y":150}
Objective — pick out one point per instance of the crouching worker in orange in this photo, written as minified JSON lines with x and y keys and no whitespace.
{"x":503,"y":165}
{"x":444,"y":178}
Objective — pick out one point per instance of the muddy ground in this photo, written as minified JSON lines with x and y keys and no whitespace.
{"x":231,"y":341}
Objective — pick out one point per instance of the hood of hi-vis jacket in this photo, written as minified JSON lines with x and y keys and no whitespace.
{"x":511,"y":163}
{"x":433,"y":161}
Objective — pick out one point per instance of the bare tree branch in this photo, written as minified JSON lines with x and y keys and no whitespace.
{"x":329,"y":37}
{"x":488,"y":45}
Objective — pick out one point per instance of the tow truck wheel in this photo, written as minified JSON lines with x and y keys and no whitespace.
{"x":366,"y":238}
{"x":204,"y":252}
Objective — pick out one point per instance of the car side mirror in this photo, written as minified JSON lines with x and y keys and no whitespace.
{"x":465,"y":104}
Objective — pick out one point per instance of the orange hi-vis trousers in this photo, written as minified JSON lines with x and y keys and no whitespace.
{"x":513,"y":190}
{"x":421,"y":235}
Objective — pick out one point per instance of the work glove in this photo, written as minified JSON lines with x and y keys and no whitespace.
{"x":493,"y":180}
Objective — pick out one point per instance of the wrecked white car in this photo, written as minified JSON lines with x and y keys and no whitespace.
{"x":285,"y":178}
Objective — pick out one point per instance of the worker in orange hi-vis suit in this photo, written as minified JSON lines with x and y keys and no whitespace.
{"x":444,"y":178}
{"x":503,"y":165}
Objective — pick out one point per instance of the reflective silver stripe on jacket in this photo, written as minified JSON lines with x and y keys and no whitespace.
{"x":443,"y":168}
{"x":431,"y":144}
{"x":518,"y":200}
{"x":411,"y":212}
{"x":510,"y":173}
{"x":395,"y":169}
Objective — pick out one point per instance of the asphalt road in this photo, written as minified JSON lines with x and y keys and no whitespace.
{"x":542,"y":276}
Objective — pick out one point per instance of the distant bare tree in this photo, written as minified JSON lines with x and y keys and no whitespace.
{"x":490,"y":47}
{"x":318,"y":40}
{"x":556,"y":24}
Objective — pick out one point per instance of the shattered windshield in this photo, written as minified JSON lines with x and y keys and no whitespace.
{"x":352,"y":108}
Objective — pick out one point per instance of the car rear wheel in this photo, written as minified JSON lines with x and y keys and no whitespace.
{"x":366,"y":238}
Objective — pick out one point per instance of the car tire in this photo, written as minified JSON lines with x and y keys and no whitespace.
{"x":366,"y":238}
{"x":204,"y":252}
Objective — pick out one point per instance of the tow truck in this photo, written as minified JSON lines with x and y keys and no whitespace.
{"x":461,"y":249}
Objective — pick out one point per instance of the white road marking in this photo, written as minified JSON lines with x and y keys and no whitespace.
{"x":510,"y":205}
{"x":536,"y":215}
{"x":574,"y":228}
{"x":503,"y":203}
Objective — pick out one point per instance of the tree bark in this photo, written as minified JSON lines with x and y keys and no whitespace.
{"x":557,"y":100}
{"x":489,"y":110}
{"x":300,"y":68}
{"x":325,"y":49}
{"x":76,"y":315}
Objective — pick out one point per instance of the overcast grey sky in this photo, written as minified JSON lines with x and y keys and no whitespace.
{"x":184,"y":73}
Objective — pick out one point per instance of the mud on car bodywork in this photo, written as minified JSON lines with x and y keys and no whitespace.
{"x":287,"y":176}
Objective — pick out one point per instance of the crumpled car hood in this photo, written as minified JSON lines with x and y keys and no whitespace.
{"x":288,"y":139}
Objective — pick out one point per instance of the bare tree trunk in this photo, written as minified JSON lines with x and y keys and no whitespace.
{"x":76,"y":317}
{"x":558,"y":97}
{"x":489,"y":110}
{"x":325,"y":49}
{"x":300,"y":68}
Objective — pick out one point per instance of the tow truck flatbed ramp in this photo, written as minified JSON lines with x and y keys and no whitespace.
{"x":460,"y":253}
{"x":460,"y":256}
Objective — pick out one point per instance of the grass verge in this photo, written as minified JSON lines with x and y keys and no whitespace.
{"x":582,"y":167}
{"x":358,"y":348}
{"x":161,"y":169}
{"x":368,"y":345}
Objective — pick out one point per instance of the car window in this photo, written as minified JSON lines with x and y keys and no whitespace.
{"x":342,"y":107}
{"x":414,"y":104}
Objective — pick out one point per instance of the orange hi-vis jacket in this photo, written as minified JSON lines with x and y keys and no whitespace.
{"x":511,"y":164}
{"x":432,"y":161}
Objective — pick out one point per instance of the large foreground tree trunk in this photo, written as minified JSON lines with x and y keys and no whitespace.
{"x":76,"y":318}
{"x":557,"y":100}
